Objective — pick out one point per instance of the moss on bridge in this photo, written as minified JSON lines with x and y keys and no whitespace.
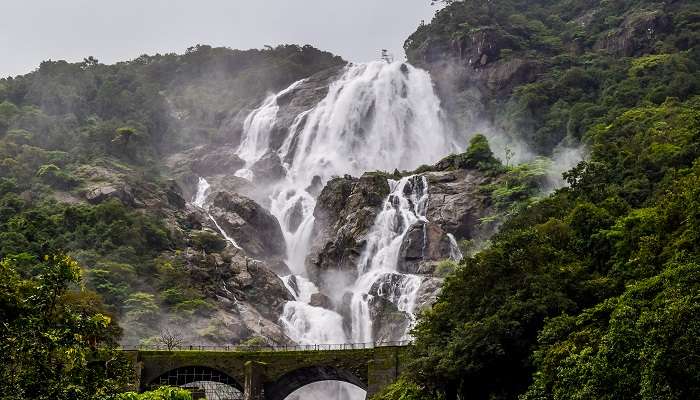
{"x":370,"y":369}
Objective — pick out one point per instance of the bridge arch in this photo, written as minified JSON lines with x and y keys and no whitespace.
{"x":194,"y":373}
{"x":298,"y":378}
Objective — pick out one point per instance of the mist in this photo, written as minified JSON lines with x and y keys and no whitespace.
{"x":116,"y":31}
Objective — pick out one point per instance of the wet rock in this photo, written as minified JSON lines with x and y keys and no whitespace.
{"x":389,"y":324}
{"x":252,"y":227}
{"x":304,"y":97}
{"x":296,"y":216}
{"x":259,"y":286}
{"x":457,"y":204}
{"x":344,"y":213}
{"x":268,"y":168}
{"x":321,"y":300}
{"x":99,"y":194}
{"x":423,"y":242}
{"x":294,"y":285}
{"x":213,"y":160}
{"x":427,"y":293}
{"x":174,"y":194}
{"x":206,"y":160}
{"x":315,"y":187}
{"x":195,"y":218}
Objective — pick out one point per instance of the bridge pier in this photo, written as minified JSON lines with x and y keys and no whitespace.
{"x":254,"y":379}
{"x":383,"y":369}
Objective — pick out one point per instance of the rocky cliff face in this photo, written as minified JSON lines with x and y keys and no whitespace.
{"x":482,"y":54}
{"x":346,"y":210}
{"x":253,"y":228}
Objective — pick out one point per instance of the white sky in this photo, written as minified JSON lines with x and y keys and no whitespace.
{"x":116,"y":30}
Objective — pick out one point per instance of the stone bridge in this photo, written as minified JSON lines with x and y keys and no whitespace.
{"x":270,"y":375}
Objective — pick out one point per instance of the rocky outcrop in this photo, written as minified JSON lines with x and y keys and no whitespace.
{"x":252,"y":227}
{"x":206,"y":161}
{"x":268,"y":169}
{"x":99,"y":194}
{"x":294,"y":103}
{"x":345,"y":211}
{"x":249,"y":296}
{"x":425,"y":244}
{"x":302,"y":98}
{"x":457,"y":202}
{"x":637,"y":34}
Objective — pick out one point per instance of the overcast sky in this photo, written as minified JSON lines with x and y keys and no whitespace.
{"x":35,"y":30}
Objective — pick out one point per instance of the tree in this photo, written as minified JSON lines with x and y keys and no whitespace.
{"x":55,"y":342}
{"x":170,"y":339}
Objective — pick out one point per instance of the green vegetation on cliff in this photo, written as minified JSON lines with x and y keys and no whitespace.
{"x":592,"y":292}
{"x":81,"y":150}
{"x":547,"y":70}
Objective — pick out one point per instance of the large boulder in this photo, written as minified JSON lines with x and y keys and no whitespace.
{"x":205,"y":161}
{"x":250,"y":225}
{"x":424,"y":244}
{"x":101,"y":193}
{"x":457,"y":203}
{"x":268,"y":168}
{"x":245,"y":297}
{"x":344,"y":213}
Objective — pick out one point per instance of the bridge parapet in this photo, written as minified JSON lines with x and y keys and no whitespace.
{"x":273,"y":373}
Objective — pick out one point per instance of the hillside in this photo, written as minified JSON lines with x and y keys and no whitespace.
{"x":592,"y":292}
{"x":83,"y":149}
{"x":284,"y":196}
{"x":544,"y":72}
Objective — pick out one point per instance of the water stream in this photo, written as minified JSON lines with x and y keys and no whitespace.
{"x":375,"y":116}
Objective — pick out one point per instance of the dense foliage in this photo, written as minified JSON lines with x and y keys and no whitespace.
{"x":70,"y":129}
{"x":593,"y":291}
{"x":163,"y":393}
{"x":56,"y":342}
{"x":558,"y":67}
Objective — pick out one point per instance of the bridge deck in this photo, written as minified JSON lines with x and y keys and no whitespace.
{"x":260,"y":349}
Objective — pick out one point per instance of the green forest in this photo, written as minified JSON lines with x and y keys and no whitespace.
{"x":589,"y":292}
{"x":592,"y":292}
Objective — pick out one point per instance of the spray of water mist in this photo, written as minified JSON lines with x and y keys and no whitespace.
{"x":376,"y":116}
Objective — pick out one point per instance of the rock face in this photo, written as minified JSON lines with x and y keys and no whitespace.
{"x":304,"y":96}
{"x":100,"y":194}
{"x":268,"y":168}
{"x":425,"y":244}
{"x":456,"y":203}
{"x":253,"y":227}
{"x":345,"y":211}
{"x":250,"y":296}
{"x":637,"y":34}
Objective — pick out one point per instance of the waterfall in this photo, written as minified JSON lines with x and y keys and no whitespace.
{"x":375,"y":116}
{"x":255,"y":142}
{"x":200,"y":198}
{"x":405,"y":205}
{"x":455,"y":252}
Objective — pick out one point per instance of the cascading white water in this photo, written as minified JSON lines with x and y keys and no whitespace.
{"x":200,"y":198}
{"x":455,"y":252}
{"x":256,"y":127}
{"x":376,"y":116}
{"x":405,"y":205}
